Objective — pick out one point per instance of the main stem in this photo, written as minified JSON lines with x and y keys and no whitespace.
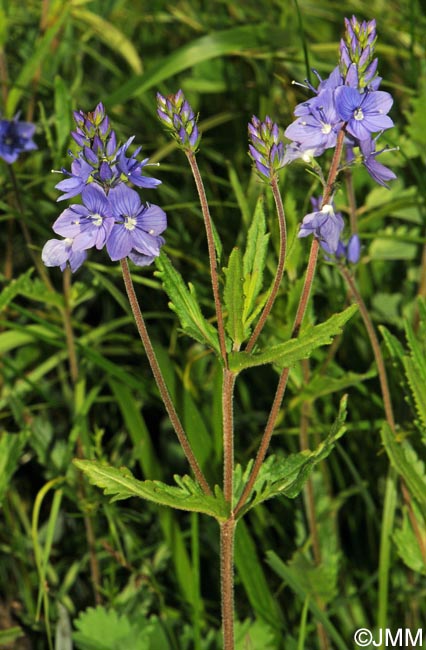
{"x":161,"y":384}
{"x":301,"y":309}
{"x":227,"y":528}
{"x":280,"y":268}
{"x":212,"y":252}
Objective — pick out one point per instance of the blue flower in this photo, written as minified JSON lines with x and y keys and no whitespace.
{"x":265,"y":148}
{"x":318,"y":123}
{"x":132,"y":168}
{"x":15,"y":137}
{"x":379,"y":172}
{"x":364,"y":113}
{"x":137,"y":226}
{"x":89,"y":224}
{"x":80,"y":174}
{"x":351,"y":251}
{"x":325,"y":225}
{"x":57,"y":252}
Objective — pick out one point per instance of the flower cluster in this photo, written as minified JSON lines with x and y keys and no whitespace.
{"x":265,"y":148}
{"x":110,"y":214}
{"x":349,"y":100}
{"x":15,"y":137}
{"x":178,"y":117}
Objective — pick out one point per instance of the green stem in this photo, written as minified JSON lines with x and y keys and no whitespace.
{"x":212,"y":252}
{"x":161,"y":384}
{"x":280,"y":268}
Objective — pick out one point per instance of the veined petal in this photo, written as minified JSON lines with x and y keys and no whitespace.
{"x":119,"y":243}
{"x":153,"y":220}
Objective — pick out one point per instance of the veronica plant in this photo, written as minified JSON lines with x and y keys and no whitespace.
{"x":346,"y":113}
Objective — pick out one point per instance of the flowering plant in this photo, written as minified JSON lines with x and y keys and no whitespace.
{"x":346,"y":113}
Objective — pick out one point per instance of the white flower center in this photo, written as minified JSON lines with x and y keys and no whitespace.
{"x":326,"y":128}
{"x":358,"y":114}
{"x":308,"y":155}
{"x":97,"y":219}
{"x":328,"y":209}
{"x":130,"y":223}
{"x":68,"y":241}
{"x":151,"y":232}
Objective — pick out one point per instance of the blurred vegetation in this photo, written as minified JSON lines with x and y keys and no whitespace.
{"x":159,"y":571}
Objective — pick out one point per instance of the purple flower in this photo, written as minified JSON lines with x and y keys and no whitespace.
{"x":89,"y":224}
{"x":177,"y":115}
{"x":377,"y":171}
{"x":364,"y":113}
{"x":325,"y":225}
{"x":57,"y":252}
{"x":15,"y":137}
{"x":132,"y":168}
{"x":318,"y":124}
{"x":265,"y":148}
{"x":350,"y":252}
{"x":81,"y":172}
{"x":137,"y":227}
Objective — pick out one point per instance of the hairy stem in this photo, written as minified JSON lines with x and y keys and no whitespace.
{"x":301,"y":309}
{"x":158,"y":376}
{"x":228,"y":434}
{"x":212,"y":252}
{"x":280,"y":268}
{"x":227,"y":534}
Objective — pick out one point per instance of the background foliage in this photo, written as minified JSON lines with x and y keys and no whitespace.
{"x":158,"y":582}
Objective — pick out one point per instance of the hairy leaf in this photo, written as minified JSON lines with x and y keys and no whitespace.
{"x":286,"y":354}
{"x":287,"y":476}
{"x":184,"y":303}
{"x":121,"y":484}
{"x":234,"y":299}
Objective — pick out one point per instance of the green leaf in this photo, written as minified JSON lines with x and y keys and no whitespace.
{"x":121,"y":484}
{"x":286,"y":574}
{"x":252,"y":576}
{"x":111,"y":36}
{"x":14,"y":288}
{"x":417,"y":386}
{"x":234,"y":299}
{"x":104,"y":629}
{"x":230,"y":41}
{"x":287,"y":476}
{"x":62,"y":112}
{"x":254,"y":634}
{"x":11,"y":446}
{"x":40,"y":51}
{"x":9,"y":636}
{"x":286,"y":354}
{"x":321,"y":385}
{"x":406,"y":462}
{"x":254,"y":261}
{"x":184,"y":303}
{"x":407,"y":543}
